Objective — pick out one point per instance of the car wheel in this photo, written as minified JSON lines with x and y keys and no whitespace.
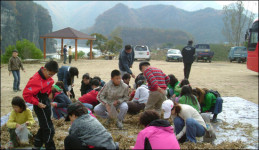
{"x":148,"y":59}
{"x":239,"y":60}
{"x":230,"y":60}
{"x":167,"y":59}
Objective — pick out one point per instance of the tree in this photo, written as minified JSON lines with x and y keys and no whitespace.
{"x":99,"y":43}
{"x":236,"y":19}
{"x":114,"y":45}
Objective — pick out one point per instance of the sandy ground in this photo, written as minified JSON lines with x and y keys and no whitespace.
{"x":230,"y":79}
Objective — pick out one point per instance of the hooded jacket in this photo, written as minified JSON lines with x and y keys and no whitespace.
{"x":61,"y":99}
{"x":109,"y":93}
{"x":159,"y":134}
{"x":64,"y":75}
{"x":91,"y":132}
{"x":142,"y":94}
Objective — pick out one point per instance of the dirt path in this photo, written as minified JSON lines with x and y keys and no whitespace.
{"x":230,"y":79}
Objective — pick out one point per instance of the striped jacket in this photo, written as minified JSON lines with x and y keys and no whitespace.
{"x":156,"y":78}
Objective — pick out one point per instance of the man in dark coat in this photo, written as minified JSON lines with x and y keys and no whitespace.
{"x":188,"y":53}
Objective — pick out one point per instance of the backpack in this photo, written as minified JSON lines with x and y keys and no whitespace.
{"x":216,"y":93}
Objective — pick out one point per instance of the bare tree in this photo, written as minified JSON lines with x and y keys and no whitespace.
{"x":236,"y":20}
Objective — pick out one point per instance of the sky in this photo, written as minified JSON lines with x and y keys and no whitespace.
{"x":249,"y":5}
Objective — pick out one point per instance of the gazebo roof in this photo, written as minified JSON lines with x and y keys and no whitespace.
{"x":68,"y":33}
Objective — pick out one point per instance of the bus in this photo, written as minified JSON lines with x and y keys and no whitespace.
{"x":252,"y":47}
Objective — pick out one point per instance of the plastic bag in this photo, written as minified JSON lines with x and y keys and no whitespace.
{"x":113,"y":112}
{"x":22,"y":133}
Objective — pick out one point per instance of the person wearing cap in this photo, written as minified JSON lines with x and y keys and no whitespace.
{"x":126,"y":60}
{"x":14,"y":66}
{"x":66,"y":74}
{"x":114,"y":94}
{"x":157,"y":83}
{"x":188,"y":123}
{"x":157,"y":134}
{"x":86,"y":131}
{"x":60,"y":101}
{"x":140,"y":98}
{"x":188,"y":53}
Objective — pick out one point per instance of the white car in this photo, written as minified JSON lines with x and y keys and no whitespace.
{"x":174,"y":54}
{"x":142,"y":52}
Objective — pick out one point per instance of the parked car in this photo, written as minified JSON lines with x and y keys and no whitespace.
{"x":238,"y":53}
{"x":174,"y":54}
{"x":203,"y":52}
{"x":142,"y":52}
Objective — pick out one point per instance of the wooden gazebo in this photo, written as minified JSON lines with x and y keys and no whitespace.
{"x":68,"y":33}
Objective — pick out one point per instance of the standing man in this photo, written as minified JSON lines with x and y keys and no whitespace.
{"x":126,"y":60}
{"x":14,"y":66}
{"x":65,"y":53}
{"x":157,"y":84}
{"x":188,"y":53}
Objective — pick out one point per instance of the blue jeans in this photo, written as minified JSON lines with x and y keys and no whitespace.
{"x":218,"y":106}
{"x":193,"y":128}
{"x":59,"y":112}
{"x":90,"y":106}
{"x":16,"y":82}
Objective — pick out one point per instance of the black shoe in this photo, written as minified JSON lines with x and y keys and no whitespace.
{"x":214,"y":119}
{"x":19,"y":90}
{"x":15,"y":90}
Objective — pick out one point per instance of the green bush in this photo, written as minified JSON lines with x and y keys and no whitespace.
{"x":220,"y":52}
{"x":26,"y":50}
{"x":93,"y":53}
{"x":80,"y":54}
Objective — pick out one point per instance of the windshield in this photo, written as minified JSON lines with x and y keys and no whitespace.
{"x":240,"y":50}
{"x":140,"y":48}
{"x":202,"y":46}
{"x":253,"y":39}
{"x":174,"y":52}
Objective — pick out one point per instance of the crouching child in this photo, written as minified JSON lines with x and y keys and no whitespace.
{"x":86,"y":131}
{"x":19,"y":115}
{"x":60,"y":101}
{"x":115,"y":93}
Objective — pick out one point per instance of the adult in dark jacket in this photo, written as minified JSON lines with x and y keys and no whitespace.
{"x":86,"y":85}
{"x":65,"y":53}
{"x":126,"y":60}
{"x":188,"y":58}
{"x":66,"y":74}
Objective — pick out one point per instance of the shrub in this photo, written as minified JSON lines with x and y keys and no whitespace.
{"x":80,"y":54}
{"x":25,"y":48}
{"x":93,"y":53}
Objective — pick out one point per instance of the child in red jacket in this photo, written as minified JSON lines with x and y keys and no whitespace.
{"x":37,"y":92}
{"x":89,"y":100}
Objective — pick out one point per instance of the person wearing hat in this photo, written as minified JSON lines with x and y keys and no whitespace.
{"x":66,"y":74}
{"x":188,"y":53}
{"x":157,"y":134}
{"x":188,"y":123}
{"x":60,"y":101}
{"x":157,"y":83}
{"x":86,"y":131}
{"x":14,"y":66}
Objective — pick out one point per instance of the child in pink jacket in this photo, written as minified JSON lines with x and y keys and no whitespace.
{"x":157,"y":134}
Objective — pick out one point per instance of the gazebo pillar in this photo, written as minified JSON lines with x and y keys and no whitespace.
{"x":75,"y":49}
{"x":91,"y":46}
{"x":44,"y":47}
{"x":61,"y":52}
